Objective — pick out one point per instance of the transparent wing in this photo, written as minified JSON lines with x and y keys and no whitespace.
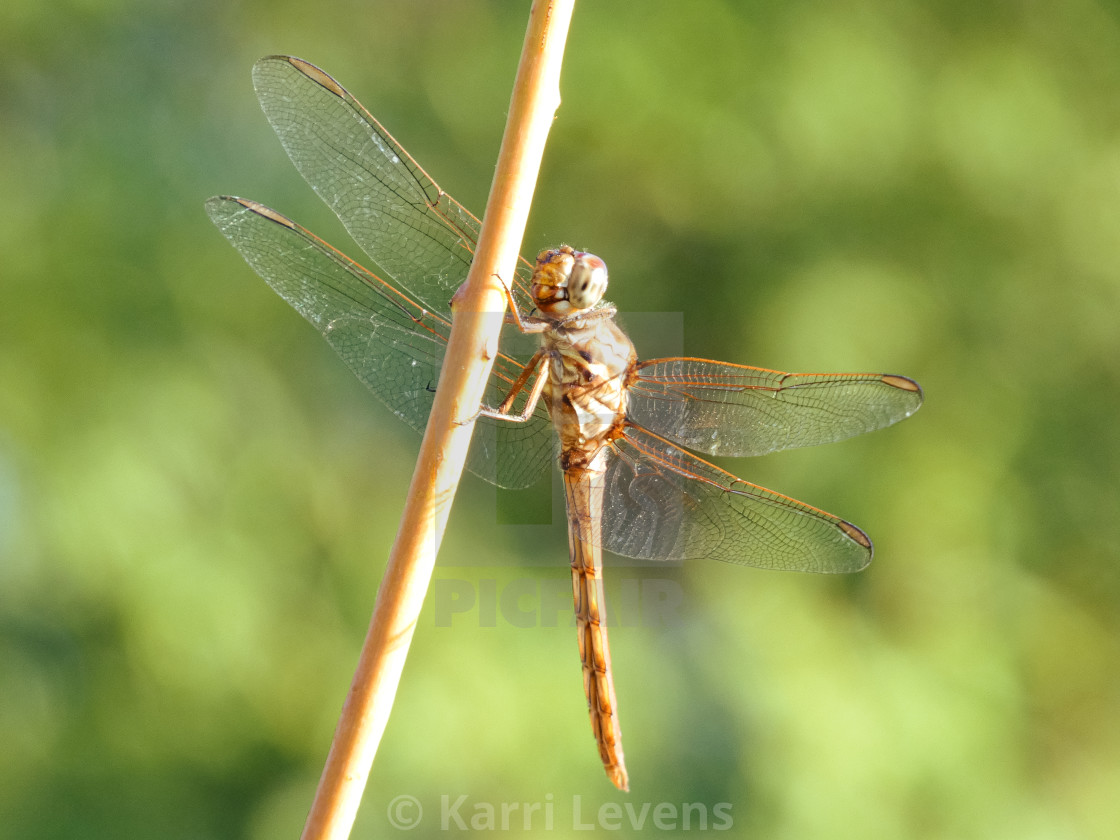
{"x":735,"y":410}
{"x":420,"y":236}
{"x":662,"y":503}
{"x":394,"y":345}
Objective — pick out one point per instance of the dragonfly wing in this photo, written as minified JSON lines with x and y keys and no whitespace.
{"x":662,"y":503}
{"x":393,"y":345}
{"x":420,"y":236}
{"x":735,"y":410}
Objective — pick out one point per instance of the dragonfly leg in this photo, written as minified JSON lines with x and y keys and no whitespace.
{"x":537,"y":365}
{"x":525,"y":323}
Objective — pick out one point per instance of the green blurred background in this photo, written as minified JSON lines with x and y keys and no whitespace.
{"x":197,"y":498}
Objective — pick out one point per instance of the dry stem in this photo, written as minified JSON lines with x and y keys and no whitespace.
{"x":471,"y":350}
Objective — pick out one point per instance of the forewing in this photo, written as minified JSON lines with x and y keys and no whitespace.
{"x":421,"y":237}
{"x":735,"y":410}
{"x":662,"y":503}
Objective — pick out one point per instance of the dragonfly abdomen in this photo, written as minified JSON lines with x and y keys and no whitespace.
{"x":584,"y":494}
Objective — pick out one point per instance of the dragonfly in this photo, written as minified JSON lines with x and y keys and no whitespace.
{"x":624,"y":426}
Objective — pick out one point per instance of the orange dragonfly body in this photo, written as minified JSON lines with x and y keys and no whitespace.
{"x":624,"y":426}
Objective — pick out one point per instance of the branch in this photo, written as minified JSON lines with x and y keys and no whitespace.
{"x":470,"y":353}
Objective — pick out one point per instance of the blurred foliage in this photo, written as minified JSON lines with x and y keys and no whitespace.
{"x":196,"y":498}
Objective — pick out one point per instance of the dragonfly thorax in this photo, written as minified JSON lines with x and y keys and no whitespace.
{"x":567,"y":282}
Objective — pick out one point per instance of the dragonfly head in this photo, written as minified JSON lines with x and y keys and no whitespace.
{"x":567,"y":282}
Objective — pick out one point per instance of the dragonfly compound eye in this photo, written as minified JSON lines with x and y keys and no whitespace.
{"x":588,"y":281}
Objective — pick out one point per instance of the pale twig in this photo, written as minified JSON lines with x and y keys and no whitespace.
{"x":470,"y":353}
